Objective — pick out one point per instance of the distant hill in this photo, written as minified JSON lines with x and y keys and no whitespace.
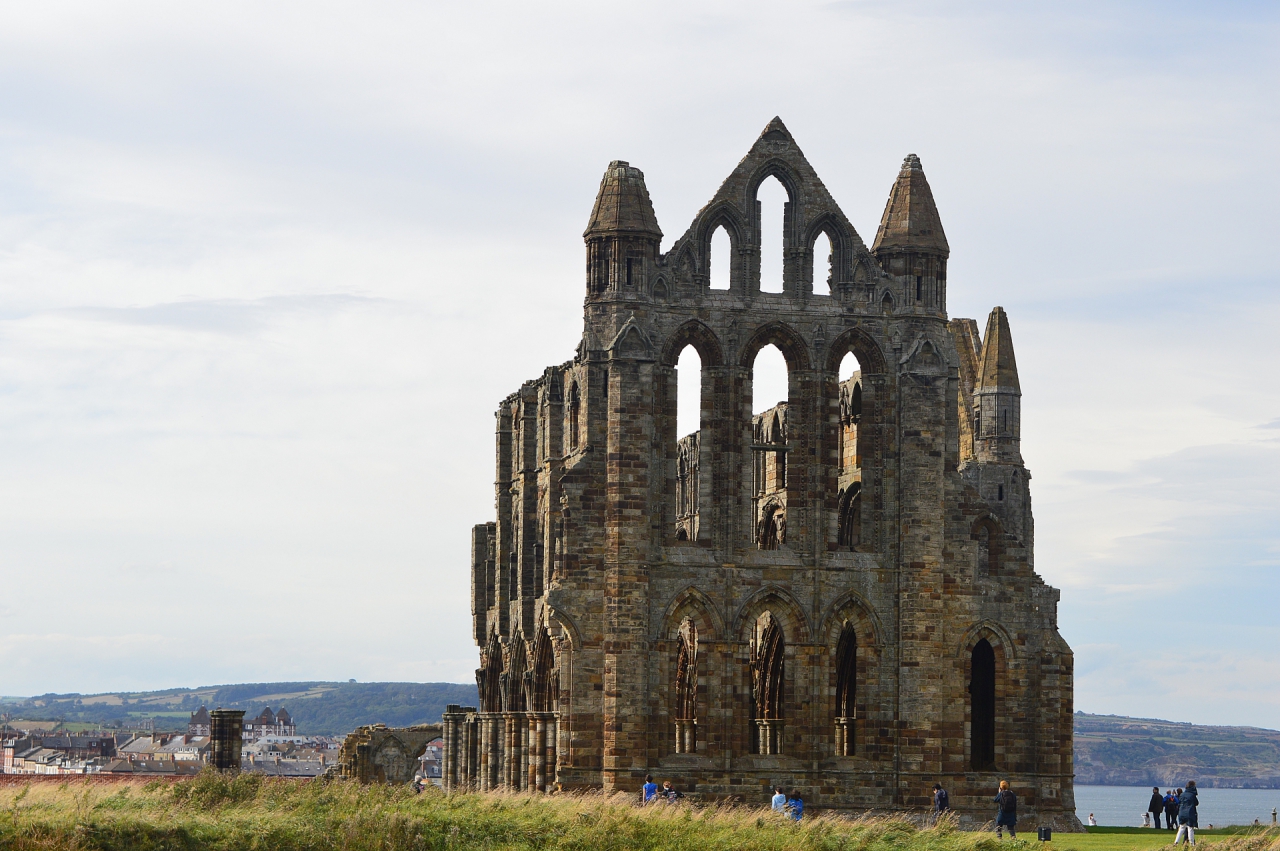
{"x":1112,"y":750}
{"x":318,"y":708}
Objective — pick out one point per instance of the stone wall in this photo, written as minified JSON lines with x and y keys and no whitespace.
{"x":381,"y":754}
{"x":833,"y":657}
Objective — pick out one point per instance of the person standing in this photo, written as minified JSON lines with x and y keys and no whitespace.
{"x":649,"y":789}
{"x":1188,"y":817}
{"x":941,"y":801}
{"x":1006,"y":811}
{"x":779,"y":802}
{"x":795,"y":805}
{"x":1171,"y":810}
{"x":1156,"y":807}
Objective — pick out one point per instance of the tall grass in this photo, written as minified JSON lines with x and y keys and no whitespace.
{"x":253,"y":812}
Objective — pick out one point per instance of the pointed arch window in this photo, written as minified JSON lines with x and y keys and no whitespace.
{"x":772,"y":201}
{"x":823,"y":264}
{"x":846,"y":689}
{"x":720,"y":260}
{"x":851,"y":516}
{"x":982,"y":707}
{"x":573,"y":415}
{"x":773,"y":527}
{"x":768,"y":651}
{"x":686,"y":691}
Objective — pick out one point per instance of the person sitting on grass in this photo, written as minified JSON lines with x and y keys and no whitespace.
{"x":649,"y":789}
{"x":779,"y":801}
{"x":1006,"y":811}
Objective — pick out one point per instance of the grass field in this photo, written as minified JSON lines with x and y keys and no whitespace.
{"x":253,"y":813}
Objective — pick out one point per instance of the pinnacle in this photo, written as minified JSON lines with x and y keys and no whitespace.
{"x":776,"y":125}
{"x":999,"y":368}
{"x":622,"y":204}
{"x":910,"y":221}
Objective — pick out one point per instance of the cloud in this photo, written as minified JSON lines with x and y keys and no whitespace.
{"x":266,"y":273}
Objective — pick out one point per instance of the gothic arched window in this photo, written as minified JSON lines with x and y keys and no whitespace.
{"x":846,"y":689}
{"x":851,"y":516}
{"x":768,"y":651}
{"x":982,"y":708}
{"x":686,"y":693}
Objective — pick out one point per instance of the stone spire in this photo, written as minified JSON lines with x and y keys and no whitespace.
{"x":622,"y":237}
{"x":910,"y":221}
{"x":997,"y":396}
{"x":622,"y":204}
{"x":999,"y":369}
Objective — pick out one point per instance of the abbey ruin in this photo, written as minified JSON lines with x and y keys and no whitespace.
{"x":837,"y":594}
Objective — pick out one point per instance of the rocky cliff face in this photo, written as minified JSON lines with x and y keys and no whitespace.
{"x":1112,"y":750}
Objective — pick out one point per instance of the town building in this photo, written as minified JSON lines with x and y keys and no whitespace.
{"x":269,"y":724}
{"x":837,"y":595}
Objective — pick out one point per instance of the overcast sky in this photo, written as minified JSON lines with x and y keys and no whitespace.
{"x":267,"y":269}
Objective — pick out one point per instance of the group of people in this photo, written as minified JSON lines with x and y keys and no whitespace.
{"x":1179,"y":809}
{"x":651,"y":793}
{"x":791,"y":805}
{"x":1006,"y":808}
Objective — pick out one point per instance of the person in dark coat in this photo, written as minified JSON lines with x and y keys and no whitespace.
{"x":1171,"y":810}
{"x":1188,"y":818}
{"x":1156,"y":807}
{"x":1006,"y":811}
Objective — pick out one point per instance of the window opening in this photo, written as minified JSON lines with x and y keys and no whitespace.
{"x":573,"y":415}
{"x":769,"y":394}
{"x":919,"y":283}
{"x":628,"y":271}
{"x":849,"y":474}
{"x":846,"y":689}
{"x":982,"y":708}
{"x":851,"y":516}
{"x":768,"y":650}
{"x":1001,"y":492}
{"x":721,"y":260}
{"x":823,"y":265}
{"x":688,"y":448}
{"x":984,"y":550}
{"x":686,"y":692}
{"x":771,"y":199}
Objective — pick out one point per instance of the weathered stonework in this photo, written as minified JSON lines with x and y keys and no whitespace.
{"x":836,"y":595}
{"x":381,"y":754}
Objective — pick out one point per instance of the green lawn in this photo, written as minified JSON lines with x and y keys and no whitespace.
{"x":1146,"y":839}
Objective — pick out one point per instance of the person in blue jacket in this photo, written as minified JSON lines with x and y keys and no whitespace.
{"x":1006,"y":811}
{"x":649,"y":789}
{"x":795,"y":805}
{"x":1188,"y":817}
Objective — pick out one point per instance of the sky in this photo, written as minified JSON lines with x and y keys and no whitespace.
{"x":266,"y":271}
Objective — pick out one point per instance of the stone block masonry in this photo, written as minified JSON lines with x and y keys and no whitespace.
{"x":837,"y":595}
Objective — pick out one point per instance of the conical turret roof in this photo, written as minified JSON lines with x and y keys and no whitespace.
{"x":999,"y":368}
{"x":622,"y":204}
{"x":910,"y":219}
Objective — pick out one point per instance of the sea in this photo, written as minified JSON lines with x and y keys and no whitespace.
{"x":1123,"y":806}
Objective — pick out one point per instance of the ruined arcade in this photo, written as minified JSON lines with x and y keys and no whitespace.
{"x":837,"y":594}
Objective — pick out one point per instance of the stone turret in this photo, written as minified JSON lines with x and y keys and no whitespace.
{"x":622,"y":236}
{"x":910,"y":244}
{"x":997,"y":396}
{"x":998,"y":471}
